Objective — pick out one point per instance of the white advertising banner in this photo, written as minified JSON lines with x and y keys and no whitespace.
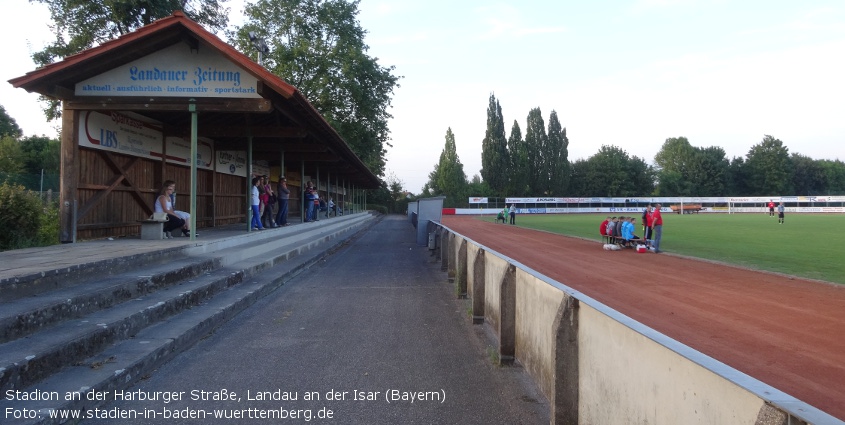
{"x":175,"y":71}
{"x":231,"y":162}
{"x":121,"y":132}
{"x":179,"y":152}
{"x":477,"y":200}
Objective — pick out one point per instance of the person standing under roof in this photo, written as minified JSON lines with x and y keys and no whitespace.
{"x":282,"y":197}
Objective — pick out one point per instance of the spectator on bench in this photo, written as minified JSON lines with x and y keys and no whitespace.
{"x":617,"y":229}
{"x":183,"y":215}
{"x":603,"y":226}
{"x":628,"y":228}
{"x":611,"y":224}
{"x":164,"y":205}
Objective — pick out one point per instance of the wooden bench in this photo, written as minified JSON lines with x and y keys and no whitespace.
{"x":152,"y":229}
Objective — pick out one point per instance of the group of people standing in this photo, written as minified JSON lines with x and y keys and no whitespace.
{"x":314,"y":204}
{"x":265,"y":199}
{"x":780,"y":208}
{"x":622,"y":228}
{"x":507,"y":212}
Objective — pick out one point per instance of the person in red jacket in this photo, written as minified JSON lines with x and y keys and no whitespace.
{"x":647,"y":221}
{"x":656,"y":228}
{"x":771,"y":208}
{"x":603,"y":227}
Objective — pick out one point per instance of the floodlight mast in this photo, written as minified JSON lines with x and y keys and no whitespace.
{"x":259,"y":45}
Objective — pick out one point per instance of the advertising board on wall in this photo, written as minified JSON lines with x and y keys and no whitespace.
{"x":175,"y":71}
{"x":232,"y":163}
{"x":132,"y":134}
{"x":121,"y":132}
{"x":179,"y":152}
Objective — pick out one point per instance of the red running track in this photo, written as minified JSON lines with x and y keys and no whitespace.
{"x":784,"y":331}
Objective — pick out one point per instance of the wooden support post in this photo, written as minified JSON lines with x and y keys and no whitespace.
{"x":69,"y":184}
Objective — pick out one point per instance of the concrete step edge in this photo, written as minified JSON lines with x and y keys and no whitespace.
{"x":119,"y":371}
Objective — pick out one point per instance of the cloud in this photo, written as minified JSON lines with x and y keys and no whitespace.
{"x":506,"y":21}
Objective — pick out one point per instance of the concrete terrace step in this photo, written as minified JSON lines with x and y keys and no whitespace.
{"x":129,"y":360}
{"x":79,"y":293}
{"x":27,"y":360}
{"x":201,"y":286}
{"x":23,"y":316}
{"x":37,"y":280}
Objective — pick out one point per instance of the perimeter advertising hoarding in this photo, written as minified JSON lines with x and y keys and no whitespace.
{"x":175,"y":71}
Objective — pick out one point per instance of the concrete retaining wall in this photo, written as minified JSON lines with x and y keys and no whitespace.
{"x":597,"y":366}
{"x":626,"y":377}
{"x":537,"y":306}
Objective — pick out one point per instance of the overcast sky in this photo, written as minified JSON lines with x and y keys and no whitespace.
{"x":624,"y":73}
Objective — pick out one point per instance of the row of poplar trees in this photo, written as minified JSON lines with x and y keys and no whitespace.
{"x":535,"y":164}
{"x":511,"y":166}
{"x":538,"y":165}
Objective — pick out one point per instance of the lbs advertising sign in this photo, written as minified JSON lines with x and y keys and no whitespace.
{"x":132,"y":134}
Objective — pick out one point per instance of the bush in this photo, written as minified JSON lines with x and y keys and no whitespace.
{"x":378,"y":208}
{"x":25,"y":222}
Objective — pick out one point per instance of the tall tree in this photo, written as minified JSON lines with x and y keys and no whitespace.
{"x":8,"y":125}
{"x":479,"y":187}
{"x":708,"y":172}
{"x":808,"y":177}
{"x":612,"y":173}
{"x":641,"y":177}
{"x":834,"y":172}
{"x":675,"y":155}
{"x":578,"y":178}
{"x":40,"y":153}
{"x":737,"y":178}
{"x":674,"y":160}
{"x":318,"y":46}
{"x":11,"y":157}
{"x":494,"y":149}
{"x":558,"y":157}
{"x":518,"y":153}
{"x":536,"y":144}
{"x":79,"y":25}
{"x":448,"y":178}
{"x":769,"y":168}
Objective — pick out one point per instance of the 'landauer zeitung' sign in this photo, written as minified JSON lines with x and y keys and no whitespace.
{"x":176,"y":71}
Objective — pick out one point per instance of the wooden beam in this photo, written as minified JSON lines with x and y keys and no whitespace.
{"x":60,"y":92}
{"x":308,"y":156}
{"x":120,"y":175}
{"x":240,"y":131}
{"x":203,"y":105}
{"x":289,"y":147}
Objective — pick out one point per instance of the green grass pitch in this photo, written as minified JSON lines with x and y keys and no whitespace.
{"x":807,"y":245}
